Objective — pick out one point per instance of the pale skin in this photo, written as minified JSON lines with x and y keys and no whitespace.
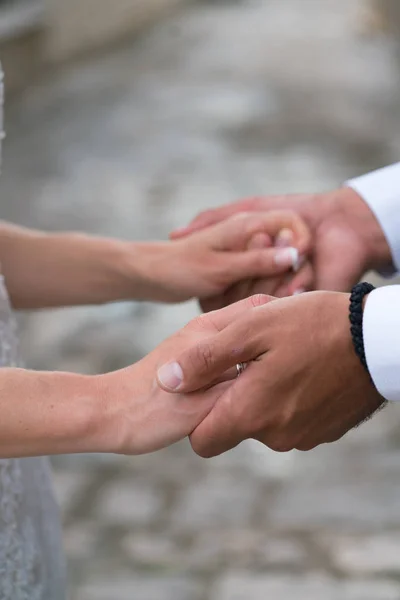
{"x":125,"y":411}
{"x":347,"y":240}
{"x":304,"y":384}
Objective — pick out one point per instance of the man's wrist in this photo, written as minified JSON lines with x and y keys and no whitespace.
{"x":357,"y":215}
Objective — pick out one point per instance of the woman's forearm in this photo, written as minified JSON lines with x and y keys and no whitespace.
{"x":49,"y":413}
{"x":124,"y":412}
{"x":49,"y":270}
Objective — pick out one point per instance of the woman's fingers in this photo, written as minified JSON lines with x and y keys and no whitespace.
{"x":237,"y":232}
{"x":258,"y":264}
{"x":213,"y":216}
{"x":260,"y":240}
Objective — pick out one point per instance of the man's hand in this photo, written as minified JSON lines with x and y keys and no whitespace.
{"x":210,"y":261}
{"x":347,"y":239}
{"x":303,"y":386}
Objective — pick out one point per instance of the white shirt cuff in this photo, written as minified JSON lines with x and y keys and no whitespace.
{"x":381,"y":331}
{"x":381,"y":191}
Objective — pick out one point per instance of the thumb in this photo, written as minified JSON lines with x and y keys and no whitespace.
{"x":201,"y":364}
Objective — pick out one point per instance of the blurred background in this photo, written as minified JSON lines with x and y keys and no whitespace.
{"x":127,"y":118}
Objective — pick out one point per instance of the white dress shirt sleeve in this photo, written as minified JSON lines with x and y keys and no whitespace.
{"x":381,"y":330}
{"x":381,"y":323}
{"x":381,"y":191}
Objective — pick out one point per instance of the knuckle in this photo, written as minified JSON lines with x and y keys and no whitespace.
{"x":200,"y":322}
{"x":204,"y":452}
{"x":306,"y":445}
{"x":281,"y":444}
{"x":201,"y":359}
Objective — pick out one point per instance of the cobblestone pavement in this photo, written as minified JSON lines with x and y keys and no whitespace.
{"x":223,"y":100}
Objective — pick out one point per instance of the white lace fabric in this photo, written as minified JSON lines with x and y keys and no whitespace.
{"x":31,"y":558}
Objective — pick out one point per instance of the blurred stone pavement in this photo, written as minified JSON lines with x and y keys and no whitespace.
{"x":226,"y":99}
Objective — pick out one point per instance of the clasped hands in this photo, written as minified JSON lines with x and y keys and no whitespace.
{"x":304,"y":384}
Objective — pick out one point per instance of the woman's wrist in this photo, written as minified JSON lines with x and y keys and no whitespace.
{"x":115,"y":427}
{"x":142,"y":268}
{"x":102,"y":411}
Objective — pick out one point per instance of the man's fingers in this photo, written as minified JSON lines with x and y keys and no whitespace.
{"x":216,"y":434}
{"x":206,"y":361}
{"x":303,"y":281}
{"x":226,"y":425}
{"x":219,"y":319}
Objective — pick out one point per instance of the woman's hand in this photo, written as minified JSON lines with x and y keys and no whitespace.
{"x":347,"y":238}
{"x":125,"y":412}
{"x":208,"y":263}
{"x":138,"y":416}
{"x":66,"y":269}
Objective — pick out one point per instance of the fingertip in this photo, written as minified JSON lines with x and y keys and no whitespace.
{"x":287,"y":257}
{"x":284,"y":238}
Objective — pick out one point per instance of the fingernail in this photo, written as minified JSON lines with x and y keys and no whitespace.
{"x":287,"y":257}
{"x":299,"y":291}
{"x":284,"y":238}
{"x":170,"y":376}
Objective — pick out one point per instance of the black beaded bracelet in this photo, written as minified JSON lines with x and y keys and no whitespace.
{"x":358,"y":293}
